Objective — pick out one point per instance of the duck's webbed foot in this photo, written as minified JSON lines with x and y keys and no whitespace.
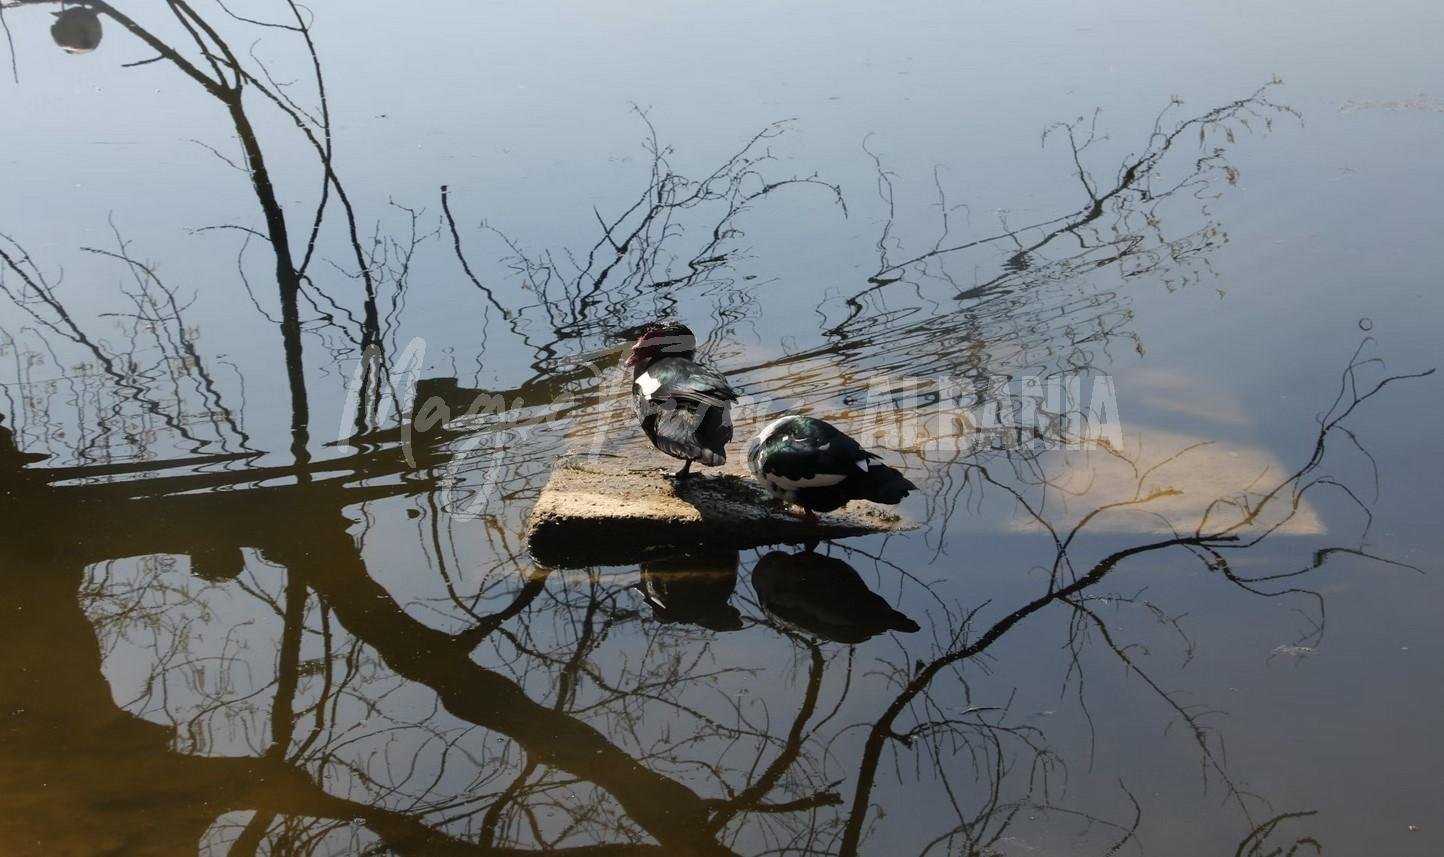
{"x":685,"y":472}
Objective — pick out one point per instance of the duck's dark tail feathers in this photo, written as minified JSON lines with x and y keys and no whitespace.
{"x":700,"y":434}
{"x":881,"y":484}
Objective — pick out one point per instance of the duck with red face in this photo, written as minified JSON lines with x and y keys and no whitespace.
{"x":684,"y":406}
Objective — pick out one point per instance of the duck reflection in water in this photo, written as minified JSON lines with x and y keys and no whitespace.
{"x":11,"y":458}
{"x":823,"y":595}
{"x":693,"y":589}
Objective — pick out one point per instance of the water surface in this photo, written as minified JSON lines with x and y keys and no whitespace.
{"x":1143,"y":298}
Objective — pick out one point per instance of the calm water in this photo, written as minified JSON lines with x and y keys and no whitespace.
{"x":246,"y":608}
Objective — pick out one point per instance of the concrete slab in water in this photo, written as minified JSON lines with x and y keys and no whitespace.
{"x":618,"y":510}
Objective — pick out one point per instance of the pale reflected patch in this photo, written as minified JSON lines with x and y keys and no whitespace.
{"x":1165,"y":482}
{"x":1184,"y":393}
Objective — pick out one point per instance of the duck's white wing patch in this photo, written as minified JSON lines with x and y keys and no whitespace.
{"x":821,"y":480}
{"x":863,"y":464}
{"x":647,"y":384}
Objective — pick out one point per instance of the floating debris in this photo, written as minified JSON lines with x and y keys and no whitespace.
{"x":1295,"y":651}
{"x":1420,"y":103}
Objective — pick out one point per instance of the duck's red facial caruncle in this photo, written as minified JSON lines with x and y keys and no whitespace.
{"x":669,"y":339}
{"x":636,"y":355}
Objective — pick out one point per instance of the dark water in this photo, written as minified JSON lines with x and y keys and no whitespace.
{"x":1176,"y":580}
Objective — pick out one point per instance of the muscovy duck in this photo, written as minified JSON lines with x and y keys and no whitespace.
{"x":685,"y":407}
{"x":810,"y":463}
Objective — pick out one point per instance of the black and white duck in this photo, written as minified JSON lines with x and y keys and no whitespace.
{"x":810,"y":463}
{"x":685,"y":407}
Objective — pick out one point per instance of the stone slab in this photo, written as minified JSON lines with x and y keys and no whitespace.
{"x":617,"y":510}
